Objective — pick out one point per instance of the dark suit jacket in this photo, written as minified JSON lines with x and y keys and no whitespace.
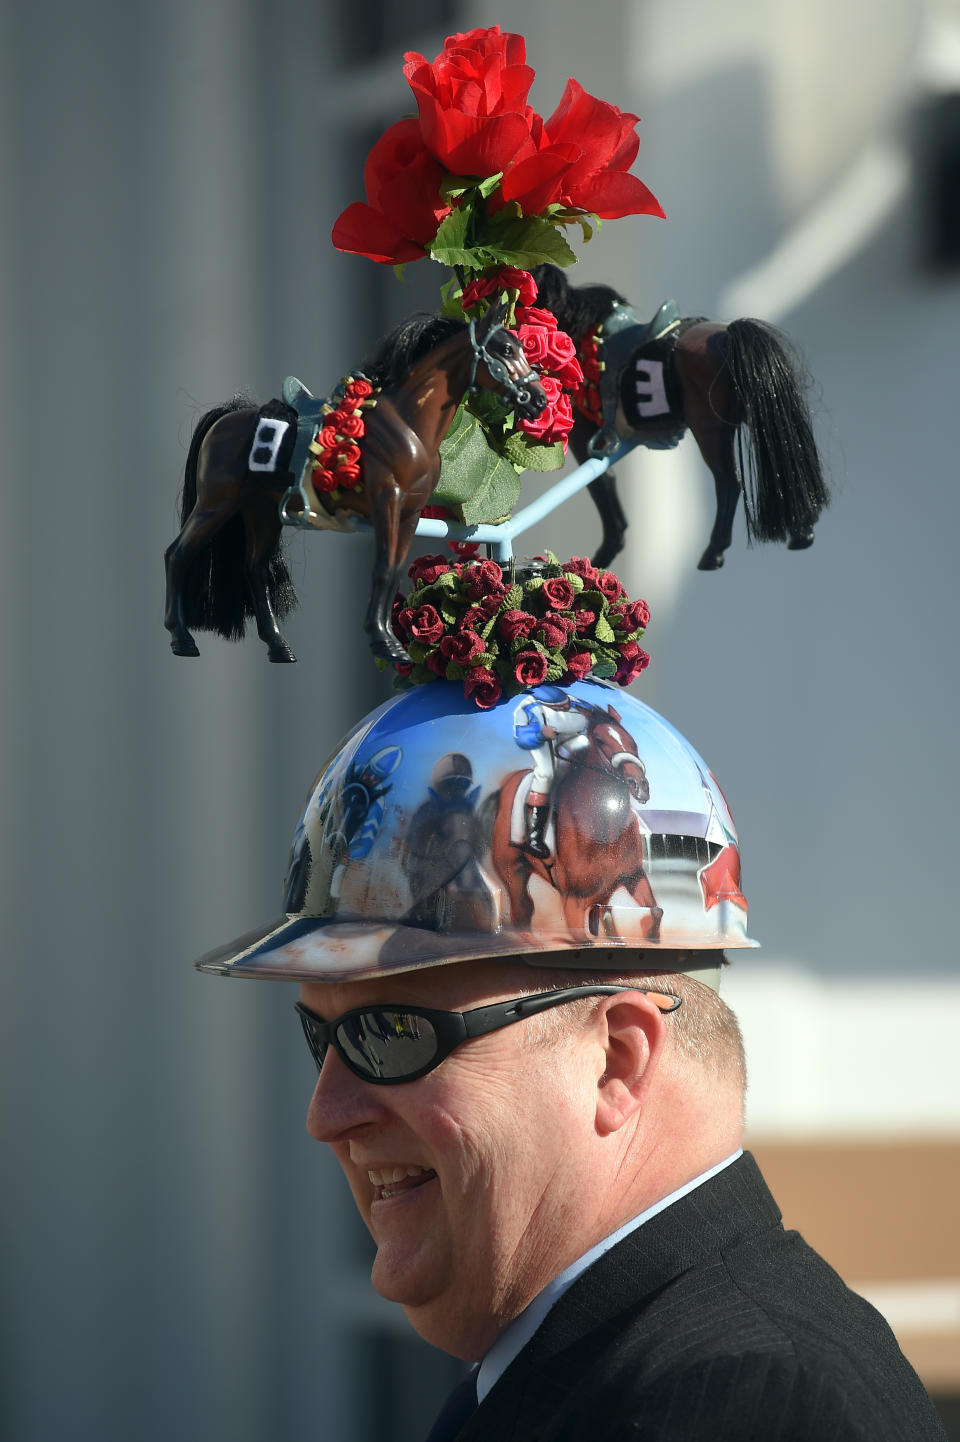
{"x":710,"y":1323}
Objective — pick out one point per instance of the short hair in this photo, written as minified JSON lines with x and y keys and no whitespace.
{"x":703,"y":1028}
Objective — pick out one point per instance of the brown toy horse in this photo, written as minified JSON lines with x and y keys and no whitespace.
{"x":599,"y":840}
{"x":718,"y":381}
{"x":225,"y":564}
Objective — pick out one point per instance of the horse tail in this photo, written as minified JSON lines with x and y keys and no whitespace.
{"x":784,"y":488}
{"x":215,"y":593}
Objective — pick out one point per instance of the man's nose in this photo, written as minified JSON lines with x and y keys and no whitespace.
{"x":341,"y":1103}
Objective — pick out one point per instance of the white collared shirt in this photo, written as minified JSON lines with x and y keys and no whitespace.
{"x":522,"y":1328}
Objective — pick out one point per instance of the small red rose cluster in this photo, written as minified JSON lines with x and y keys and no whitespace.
{"x":474,"y":121}
{"x":587,"y":399}
{"x":336,"y":448}
{"x":469,"y":623}
{"x":549,"y":350}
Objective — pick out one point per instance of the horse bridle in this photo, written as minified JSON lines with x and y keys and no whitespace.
{"x":517,"y":391}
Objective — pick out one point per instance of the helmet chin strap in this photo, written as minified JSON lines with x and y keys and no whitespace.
{"x":516,"y":391}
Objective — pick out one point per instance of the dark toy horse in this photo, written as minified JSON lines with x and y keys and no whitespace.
{"x":225,"y":565}
{"x":715,"y":380}
{"x":599,"y":843}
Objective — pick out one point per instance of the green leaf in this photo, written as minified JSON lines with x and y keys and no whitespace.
{"x":454,"y":671}
{"x":488,"y":186}
{"x":555,"y":671}
{"x":603,"y":630}
{"x":453,"y":186}
{"x":575,"y":581}
{"x":399,"y":270}
{"x":603,"y":669}
{"x":450,"y":243}
{"x":475,"y":481}
{"x":416,"y":652}
{"x":524,"y":241}
{"x":529,"y":455}
{"x":513,"y":599}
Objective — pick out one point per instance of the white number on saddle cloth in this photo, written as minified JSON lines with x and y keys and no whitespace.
{"x":266,"y":445}
{"x":651,"y":391}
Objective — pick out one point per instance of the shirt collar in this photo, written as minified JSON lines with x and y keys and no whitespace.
{"x":522,"y":1328}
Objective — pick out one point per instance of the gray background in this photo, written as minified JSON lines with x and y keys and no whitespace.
{"x":178,"y":1258}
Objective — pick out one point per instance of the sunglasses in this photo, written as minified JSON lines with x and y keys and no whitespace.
{"x":386,"y":1045}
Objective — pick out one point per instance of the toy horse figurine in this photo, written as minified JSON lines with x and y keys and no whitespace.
{"x":225,"y":564}
{"x":651,"y":383}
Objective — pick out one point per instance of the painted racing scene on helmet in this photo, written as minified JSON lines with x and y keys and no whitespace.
{"x":563,"y":817}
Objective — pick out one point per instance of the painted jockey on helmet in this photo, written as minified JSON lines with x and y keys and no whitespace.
{"x":546,"y":723}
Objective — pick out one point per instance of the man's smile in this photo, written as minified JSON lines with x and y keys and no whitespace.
{"x":389,"y":1181}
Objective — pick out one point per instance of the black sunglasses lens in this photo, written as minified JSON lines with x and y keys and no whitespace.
{"x":315,"y":1038}
{"x":387,"y":1044}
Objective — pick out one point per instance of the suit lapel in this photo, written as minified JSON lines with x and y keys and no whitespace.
{"x":583,"y":1327}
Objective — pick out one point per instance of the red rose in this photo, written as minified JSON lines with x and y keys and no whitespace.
{"x":426,"y":569}
{"x":580,"y":566}
{"x":584,"y":152}
{"x":358,"y":390}
{"x":565,"y":622}
{"x":551,"y":635}
{"x":578,"y":664}
{"x":426,"y":625}
{"x":347,"y":454}
{"x":462,"y":647}
{"x":347,"y":475}
{"x":484,"y":579}
{"x":558,"y":593}
{"x":437,"y":662}
{"x":323,"y":479}
{"x":608,"y":143}
{"x":560,"y":350}
{"x":609,"y":586}
{"x":515,"y":623}
{"x":351,"y":426}
{"x":633,"y":660}
{"x":530,"y":667}
{"x":473,"y":618}
{"x":472,"y":101}
{"x":534,"y":339}
{"x":404,"y":210}
{"x":586,"y":620}
{"x":482,"y":687}
{"x":555,"y":421}
{"x":632,"y":616}
{"x":508,"y":277}
{"x":403,"y":668}
{"x":402,"y":617}
{"x":535,"y":315}
{"x":328,"y":438}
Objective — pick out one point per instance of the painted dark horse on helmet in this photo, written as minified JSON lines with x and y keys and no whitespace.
{"x":598,"y":840}
{"x":226,"y":564}
{"x":717,"y":381}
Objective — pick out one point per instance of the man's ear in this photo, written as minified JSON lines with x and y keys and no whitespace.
{"x":634,"y":1035}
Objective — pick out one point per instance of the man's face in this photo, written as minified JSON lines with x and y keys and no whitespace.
{"x":473,"y":1180}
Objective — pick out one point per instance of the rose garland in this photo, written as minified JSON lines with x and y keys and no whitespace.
{"x":337,"y":463}
{"x":470,"y":624}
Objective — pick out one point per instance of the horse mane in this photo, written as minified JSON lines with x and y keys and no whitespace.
{"x":398,"y":352}
{"x":577,"y":307}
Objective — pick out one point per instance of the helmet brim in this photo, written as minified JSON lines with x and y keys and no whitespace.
{"x":317,"y":949}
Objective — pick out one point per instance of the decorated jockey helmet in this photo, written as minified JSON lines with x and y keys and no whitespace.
{"x":558,"y":822}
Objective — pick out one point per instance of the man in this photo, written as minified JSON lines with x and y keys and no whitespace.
{"x":541,"y":1128}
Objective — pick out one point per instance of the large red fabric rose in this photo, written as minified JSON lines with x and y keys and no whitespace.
{"x":472,"y":101}
{"x":583,"y":156}
{"x":404,"y":209}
